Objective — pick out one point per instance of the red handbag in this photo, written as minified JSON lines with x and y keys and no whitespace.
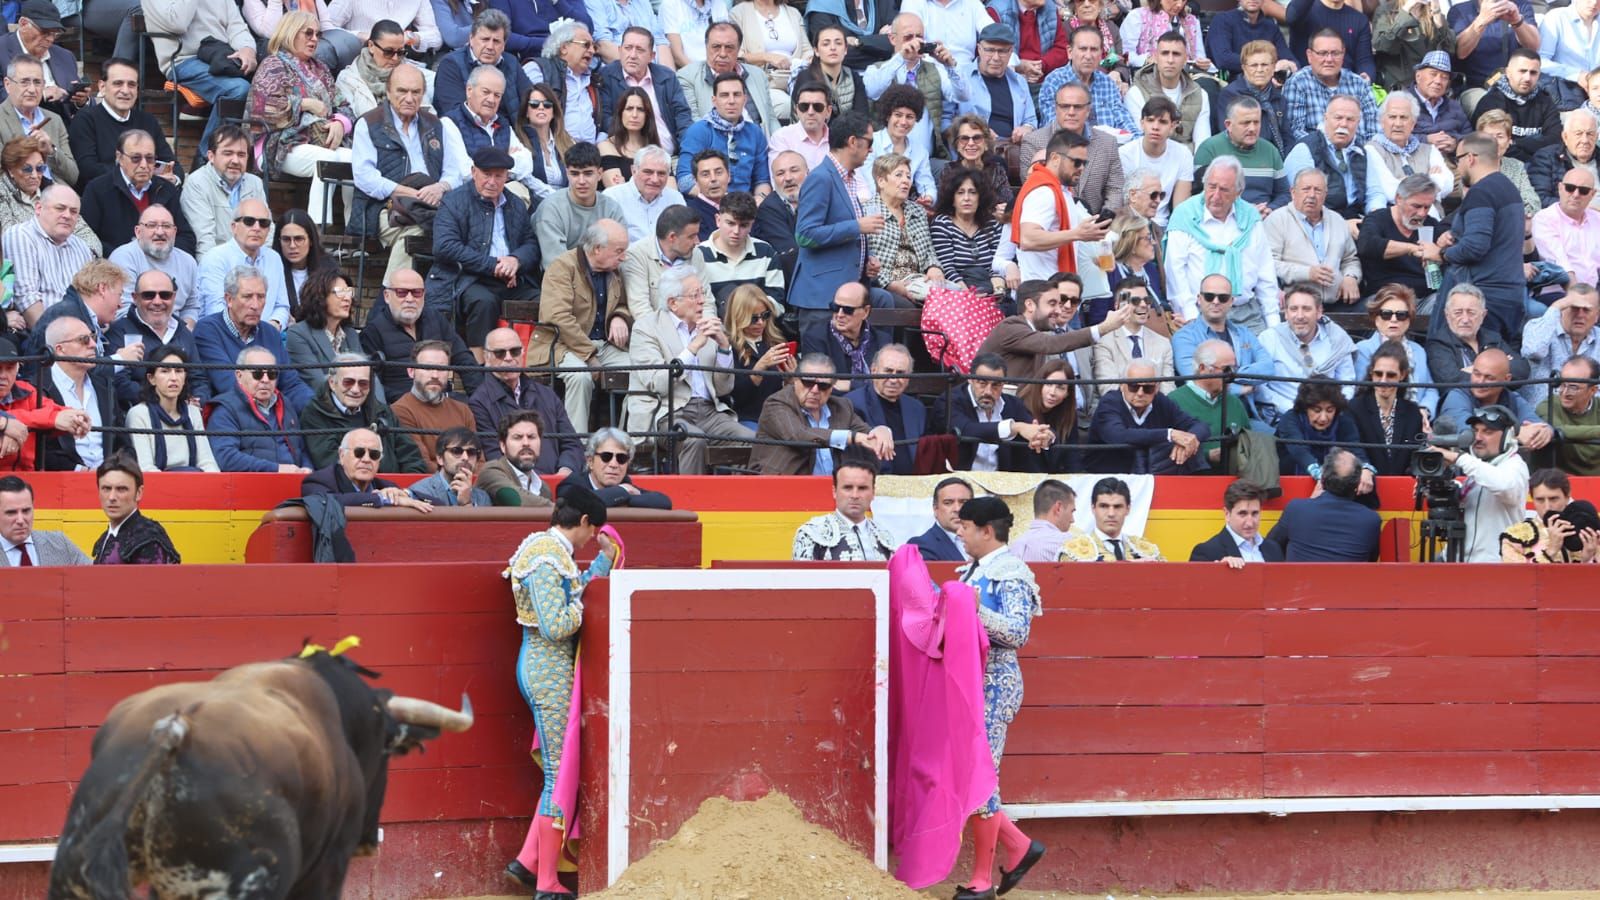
{"x":955,"y":323}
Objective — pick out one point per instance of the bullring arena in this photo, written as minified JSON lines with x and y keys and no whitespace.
{"x":1187,"y":728}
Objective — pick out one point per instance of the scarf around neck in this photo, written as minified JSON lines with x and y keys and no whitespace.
{"x":1504,"y":86}
{"x":1410,"y":147}
{"x":1225,"y":259}
{"x":373,"y":75}
{"x":721,"y":125}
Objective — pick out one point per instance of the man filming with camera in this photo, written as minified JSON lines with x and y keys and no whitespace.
{"x":1496,"y":485}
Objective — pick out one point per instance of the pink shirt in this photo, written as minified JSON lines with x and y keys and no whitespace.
{"x":794,"y":137}
{"x":1570,"y":245}
{"x":649,"y":84}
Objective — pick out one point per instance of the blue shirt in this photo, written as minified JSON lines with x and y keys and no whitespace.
{"x":497,"y":238}
{"x":612,"y":19}
{"x":746,"y":152}
{"x":1494,"y":47}
{"x":1105,"y":101}
{"x":221,"y":259}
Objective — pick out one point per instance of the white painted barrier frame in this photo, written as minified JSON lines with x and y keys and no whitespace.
{"x":627,"y":582}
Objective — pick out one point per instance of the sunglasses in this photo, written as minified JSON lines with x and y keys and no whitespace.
{"x":1070,"y":301}
{"x":1078,"y":161}
{"x":469,"y":452}
{"x":817,"y":384}
{"x":1394,"y":315}
{"x":252,"y":221}
{"x":404,"y":293}
{"x":375,"y":453}
{"x":151,"y":295}
{"x":761,"y":317}
{"x":616,"y":456}
{"x":1158,"y":196}
{"x":503,"y":352}
{"x":811,"y":106}
{"x":841,"y":309}
{"x":1214,"y":297}
{"x":82,"y":340}
{"x":264,"y":374}
{"x":348,"y":383}
{"x":970,"y":139}
{"x":1142,"y":388}
{"x":31,"y":169}
{"x":139,"y":158}
{"x":387,"y":53}
{"x":1580,"y":189}
{"x":541,"y":104}
{"x":1133,"y":299}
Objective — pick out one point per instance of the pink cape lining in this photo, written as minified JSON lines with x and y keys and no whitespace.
{"x":940,"y":768}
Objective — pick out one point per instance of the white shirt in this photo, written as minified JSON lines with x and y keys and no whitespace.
{"x":1249,"y":551}
{"x":91,"y":447}
{"x":14,"y":551}
{"x":1177,"y":163}
{"x":955,"y":24}
{"x":458,"y":165}
{"x":699,"y":388}
{"x":1039,"y":207}
{"x":1186,"y":268}
{"x":988,"y":455}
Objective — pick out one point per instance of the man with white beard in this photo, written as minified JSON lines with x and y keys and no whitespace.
{"x":153,"y":247}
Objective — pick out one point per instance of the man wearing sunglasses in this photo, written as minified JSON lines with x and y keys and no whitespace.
{"x":1165,"y":440}
{"x":808,"y":136}
{"x":352,"y":479}
{"x":1567,"y":232}
{"x":248,"y":247}
{"x":258,"y":429}
{"x":454,"y":481}
{"x":112,"y":203}
{"x":1133,"y":340}
{"x":1099,"y":183}
{"x":609,"y":451}
{"x":819,"y":424}
{"x":150,"y":319}
{"x":345,"y":401}
{"x":1250,"y":358}
{"x":511,"y":390}
{"x":428,"y":410}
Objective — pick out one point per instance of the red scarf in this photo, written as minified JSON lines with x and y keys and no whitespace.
{"x":1040,"y":177}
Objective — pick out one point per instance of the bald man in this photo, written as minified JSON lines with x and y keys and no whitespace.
{"x":252,"y":222}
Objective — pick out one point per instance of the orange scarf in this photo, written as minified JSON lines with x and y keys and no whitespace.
{"x":1040,"y":177}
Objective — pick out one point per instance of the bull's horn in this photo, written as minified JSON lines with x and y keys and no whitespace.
{"x":425,"y":712}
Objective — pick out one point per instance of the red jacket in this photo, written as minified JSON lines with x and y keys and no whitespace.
{"x":34,"y":410}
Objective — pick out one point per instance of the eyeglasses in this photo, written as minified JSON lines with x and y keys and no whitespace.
{"x":1582,"y":190}
{"x":1142,"y":388}
{"x":158,"y":226}
{"x":264,"y":374}
{"x":375,"y":453}
{"x":541,"y":104}
{"x":1214,"y":297}
{"x":812,"y":106}
{"x":503,"y":352}
{"x":817,"y":384}
{"x":1394,"y":315}
{"x":151,"y":295}
{"x":362,"y":383}
{"x":841,"y":309}
{"x":405,"y":293}
{"x":1226,"y":370}
{"x":252,"y":221}
{"x":1383,"y":375}
{"x":761,"y":317}
{"x":1325,"y":54}
{"x":469,"y":452}
{"x":584,"y":44}
{"x":616,"y":456}
{"x":1572,"y":387}
{"x":387,"y":53}
{"x":138,"y":158}
{"x":970,"y":139}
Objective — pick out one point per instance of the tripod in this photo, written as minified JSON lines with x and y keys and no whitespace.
{"x":1445,"y":527}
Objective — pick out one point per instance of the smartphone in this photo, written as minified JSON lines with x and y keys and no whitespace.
{"x":77,"y":86}
{"x":794,"y":348}
{"x":1105,"y":216}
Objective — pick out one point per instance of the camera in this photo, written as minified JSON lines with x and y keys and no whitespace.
{"x":1429,"y":464}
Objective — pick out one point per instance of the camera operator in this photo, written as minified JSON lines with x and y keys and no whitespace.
{"x":1497,"y":481}
{"x":1559,"y":531}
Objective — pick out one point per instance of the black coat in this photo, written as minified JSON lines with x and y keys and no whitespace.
{"x":1113,"y":424}
{"x":1407,"y":428}
{"x":332,"y":481}
{"x":385,"y":340}
{"x":93,"y":134}
{"x":1221,"y":545}
{"x":963,"y":421}
{"x":936,"y":546}
{"x":493,"y":401}
{"x":60,"y":450}
{"x":775,"y":225}
{"x":613,"y":497}
{"x":109,"y":211}
{"x":1535,"y":124}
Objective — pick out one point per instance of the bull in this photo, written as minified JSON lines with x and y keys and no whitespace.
{"x":261,"y":783}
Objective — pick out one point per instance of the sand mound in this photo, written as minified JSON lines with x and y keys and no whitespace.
{"x":761,"y":850}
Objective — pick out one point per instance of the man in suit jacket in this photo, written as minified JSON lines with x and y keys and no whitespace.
{"x":109,"y":206}
{"x":1166,"y":440}
{"x":1118,"y":347}
{"x":1333,"y":267}
{"x":510,"y":391}
{"x":23,"y":115}
{"x":37,"y":22}
{"x":691,"y":399}
{"x":844,"y":336}
{"x":635,"y":68}
{"x":775,"y":217}
{"x":1330,"y":526}
{"x":468,"y":281}
{"x":589,"y":333}
{"x":941,"y":543}
{"x":830,"y":226}
{"x":1025,"y":341}
{"x":352,"y":479}
{"x":677,"y":233}
{"x":883,"y":402}
{"x":609,"y":451}
{"x":820,"y":424}
{"x":514,"y":479}
{"x":1240,"y":539}
{"x":997,"y":431}
{"x":20,"y":545}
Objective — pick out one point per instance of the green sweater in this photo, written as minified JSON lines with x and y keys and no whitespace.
{"x":1264,"y":179}
{"x":1574,"y":458}
{"x":1195,"y":402}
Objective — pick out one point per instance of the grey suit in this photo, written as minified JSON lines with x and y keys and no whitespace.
{"x":697,"y":90}
{"x":311,"y":351}
{"x":62,"y":166}
{"x":656,"y":340}
{"x":1110,"y":357}
{"x":51,"y":548}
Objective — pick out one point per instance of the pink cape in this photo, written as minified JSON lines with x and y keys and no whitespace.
{"x":940,"y":768}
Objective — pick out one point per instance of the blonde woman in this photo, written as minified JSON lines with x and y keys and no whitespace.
{"x":757,"y":344}
{"x":307,"y":118}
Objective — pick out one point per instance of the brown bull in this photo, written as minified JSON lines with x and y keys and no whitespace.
{"x":261,"y":783}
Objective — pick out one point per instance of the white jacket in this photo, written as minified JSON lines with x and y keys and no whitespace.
{"x":1496,"y":495}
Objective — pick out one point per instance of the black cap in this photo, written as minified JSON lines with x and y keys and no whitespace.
{"x":42,"y":13}
{"x":8,"y":351}
{"x":491,"y":157}
{"x":585,"y":501}
{"x":1493,"y":416}
{"x":1582,"y":514}
{"x":982,"y":511}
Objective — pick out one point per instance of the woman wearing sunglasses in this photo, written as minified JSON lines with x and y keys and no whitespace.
{"x":164,"y":406}
{"x":1392,"y":310}
{"x":307,"y":118}
{"x":544,"y":132}
{"x":757,"y":344}
{"x":23,"y":161}
{"x":609,"y":451}
{"x":1133,"y":247}
{"x":1383,"y":414}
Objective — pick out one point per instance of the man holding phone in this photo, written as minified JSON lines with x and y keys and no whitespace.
{"x":22,"y":116}
{"x":1046,"y":218}
{"x":38,"y":28}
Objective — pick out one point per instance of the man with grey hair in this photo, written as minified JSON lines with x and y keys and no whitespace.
{"x":44,"y":253}
{"x":391,"y":143}
{"x":883,"y":402}
{"x":352,"y":478}
{"x":1217,"y":232}
{"x":814,"y":426}
{"x":252,"y":222}
{"x":1566,"y":330}
{"x":608,"y":451}
{"x":510,"y":390}
{"x":583,"y":298}
{"x":688,"y":400}
{"x":1330,"y":525}
{"x":254,"y":428}
{"x":478,"y":123}
{"x":153,"y":249}
{"x":1333,"y":148}
{"x":641,"y":199}
{"x":22,"y":116}
{"x":486,"y":46}
{"x":1206,"y":396}
{"x":1392,"y":154}
{"x":1390,"y":245}
{"x":219,"y":337}
{"x":74,"y":382}
{"x":1575,"y":150}
{"x":1453,"y":348}
{"x":565,"y":64}
{"x":1265,"y":186}
{"x":1313,"y":244}
{"x":345,"y":401}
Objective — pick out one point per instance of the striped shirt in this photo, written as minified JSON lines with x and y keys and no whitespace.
{"x":957,"y":254}
{"x":723,"y":275}
{"x":44,"y":268}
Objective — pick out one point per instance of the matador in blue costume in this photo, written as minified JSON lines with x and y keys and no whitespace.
{"x":548,"y":589}
{"x":1008,"y":599}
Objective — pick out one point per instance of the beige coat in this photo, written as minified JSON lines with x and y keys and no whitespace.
{"x":1293,"y":256}
{"x":656,"y":341}
{"x":567,"y":301}
{"x":62,"y":165}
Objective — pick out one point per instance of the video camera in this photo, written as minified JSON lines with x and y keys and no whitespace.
{"x":1429,"y":463}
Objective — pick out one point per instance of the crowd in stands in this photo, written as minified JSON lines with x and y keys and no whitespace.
{"x":1166,"y":241}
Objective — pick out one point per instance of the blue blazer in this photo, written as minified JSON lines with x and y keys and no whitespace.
{"x":1327,"y":529}
{"x":669,"y":98}
{"x":912,"y":414}
{"x":825,"y":228}
{"x":936,"y":546}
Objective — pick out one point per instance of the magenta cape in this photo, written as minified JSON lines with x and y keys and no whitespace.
{"x":940,"y":768}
